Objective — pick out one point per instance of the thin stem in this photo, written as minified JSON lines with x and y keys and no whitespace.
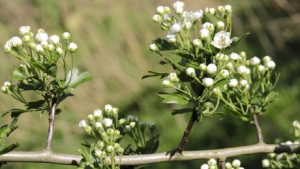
{"x":51,"y":124}
{"x":258,"y":129}
{"x":222,"y":164}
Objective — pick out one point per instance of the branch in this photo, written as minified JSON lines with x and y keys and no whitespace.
{"x":258,"y":129}
{"x":67,"y":159}
{"x":51,"y":124}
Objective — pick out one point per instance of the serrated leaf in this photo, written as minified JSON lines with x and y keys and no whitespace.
{"x":272,"y":96}
{"x":30,"y":86}
{"x":82,"y":78}
{"x":17,"y":75}
{"x":173,"y":98}
{"x":236,"y":40}
{"x":164,"y":45}
{"x":14,"y":110}
{"x":152,"y":145}
{"x":181,"y":111}
{"x":207,"y":17}
{"x":36,"y":104}
{"x":9,"y":148}
{"x":231,"y":111}
{"x":38,"y":66}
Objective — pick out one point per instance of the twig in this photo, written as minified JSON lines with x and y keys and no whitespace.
{"x":70,"y":159}
{"x":258,"y":129}
{"x":51,"y":125}
{"x":222,"y":164}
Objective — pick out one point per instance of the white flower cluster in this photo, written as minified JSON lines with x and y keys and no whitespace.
{"x":132,"y":124}
{"x":172,"y":81}
{"x":43,"y":42}
{"x":212,"y":163}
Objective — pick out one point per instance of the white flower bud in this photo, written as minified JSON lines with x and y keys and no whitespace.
{"x":234,"y":56}
{"x":188,"y":25}
{"x":83,"y":124}
{"x":132,"y":124}
{"x":244,"y":83}
{"x":221,"y":9}
{"x":220,"y":25}
{"x":157,"y":18}
{"x":242,"y":69}
{"x":228,"y":9}
{"x":122,"y":121}
{"x":98,"y":114}
{"x":44,"y":44}
{"x":233,"y":83}
{"x":229,"y":66}
{"x":266,"y":163}
{"x":243,"y":55}
{"x":197,"y":43}
{"x":108,"y":108}
{"x":117,"y":133}
{"x":72,"y":47}
{"x":204,"y":166}
{"x":59,"y":51}
{"x":98,"y":153}
{"x":151,"y":126}
{"x":190,"y":72}
{"x":216,"y":91}
{"x":224,"y":73}
{"x":7,"y":84}
{"x":4,"y":89}
{"x":212,"y":162}
{"x":66,"y":35}
{"x":175,"y":28}
{"x":110,"y":131}
{"x":24,"y":30}
{"x":153,"y":47}
{"x":7,"y":48}
{"x":211,"y":68}
{"x":171,"y":38}
{"x":261,"y":68}
{"x":178,"y":6}
{"x":166,"y":83}
{"x":160,"y":10}
{"x":203,"y":66}
{"x":120,"y":150}
{"x":107,"y":122}
{"x":142,"y":125}
{"x":109,"y":149}
{"x":98,"y":126}
{"x":270,"y":65}
{"x":54,"y":39}
{"x":204,"y":33}
{"x":266,"y":59}
{"x":128,"y":128}
{"x":16,"y":41}
{"x":39,"y":48}
{"x":236,"y":163}
{"x":168,"y":17}
{"x":296,"y":124}
{"x":207,"y":81}
{"x":255,"y":61}
{"x":26,"y":38}
{"x":212,"y":11}
{"x":173,"y":77}
{"x":41,"y":35}
{"x":115,"y":111}
{"x":220,"y":56}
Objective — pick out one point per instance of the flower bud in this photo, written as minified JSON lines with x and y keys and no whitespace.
{"x":16,"y":41}
{"x":98,"y":114}
{"x":212,"y":162}
{"x":219,"y":56}
{"x":66,"y":35}
{"x":59,"y":51}
{"x":44,"y":44}
{"x":157,"y":18}
{"x":207,"y":81}
{"x":51,"y":47}
{"x":41,"y":35}
{"x":221,"y":9}
{"x":234,"y":56}
{"x":160,"y":10}
{"x":120,"y":150}
{"x":233,"y":83}
{"x":255,"y":61}
{"x":266,"y":163}
{"x":188,"y":25}
{"x":167,"y":83}
{"x":107,"y":122}
{"x":83,"y":124}
{"x":72,"y":47}
{"x":212,"y":11}
{"x":224,"y":73}
{"x":116,"y":133}
{"x":173,"y":77}
{"x":270,"y":64}
{"x":153,"y":47}
{"x":132,"y":124}
{"x":24,"y":30}
{"x":39,"y":49}
{"x":4,"y":89}
{"x":26,"y":38}
{"x":204,"y":33}
{"x":151,"y":126}
{"x":122,"y":121}
{"x":216,"y":91}
{"x":242,"y":69}
{"x":109,"y":149}
{"x":108,"y":108}
{"x":115,"y":111}
{"x":261,"y":69}
{"x":203,"y":66}
{"x":54,"y":39}
{"x":236,"y":163}
{"x":220,"y":25}
{"x":98,"y":126}
{"x":7,"y":48}
{"x":211,"y":69}
{"x":197,"y":43}
{"x":116,"y":145}
{"x":266,"y":59}
{"x":91,"y":119}
{"x":98,"y":153}
{"x":204,"y":166}
{"x":142,"y":125}
{"x":228,"y":9}
{"x":32,"y":45}
{"x":110,"y":131}
{"x":175,"y":28}
{"x":190,"y":72}
{"x":244,"y":83}
{"x":228,"y":165}
{"x":128,"y":128}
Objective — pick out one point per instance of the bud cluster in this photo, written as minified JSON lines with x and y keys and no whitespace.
{"x":212,"y":164}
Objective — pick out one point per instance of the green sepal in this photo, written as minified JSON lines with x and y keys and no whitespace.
{"x":173,"y":98}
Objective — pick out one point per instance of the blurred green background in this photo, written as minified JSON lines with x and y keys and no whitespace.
{"x":113,"y":38}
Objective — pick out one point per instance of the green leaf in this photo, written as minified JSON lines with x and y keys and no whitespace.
{"x":152,"y":145}
{"x":272,"y":96}
{"x":17,"y":75}
{"x":210,"y":18}
{"x":236,"y":40}
{"x":9,"y":148}
{"x":14,"y":110}
{"x":181,"y":111}
{"x":231,"y":111}
{"x":52,"y":70}
{"x":220,"y":83}
{"x":73,"y":79}
{"x":164,"y":45}
{"x":153,"y":74}
{"x":173,"y":98}
{"x":38,"y":66}
{"x":36,"y":104}
{"x":30,"y":86}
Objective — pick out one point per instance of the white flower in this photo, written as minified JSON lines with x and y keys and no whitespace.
{"x":207,"y":81}
{"x":128,"y":128}
{"x":211,"y":68}
{"x":171,"y":38}
{"x":153,"y":47}
{"x":59,"y":51}
{"x":39,"y":48}
{"x":261,"y":68}
{"x":41,"y":35}
{"x":234,"y":56}
{"x":175,"y":28}
{"x":173,"y":77}
{"x":197,"y":43}
{"x":44,"y":44}
{"x":66,"y":35}
{"x":132,"y":124}
{"x":160,"y":10}
{"x":108,"y":108}
{"x":242,"y":69}
{"x":82,"y":124}
{"x":98,"y":113}
{"x":193,"y":16}
{"x":204,"y":33}
{"x":228,"y":165}
{"x":26,"y":38}
{"x":266,"y":163}
{"x":221,"y":40}
{"x":7,"y":84}
{"x":209,"y":26}
{"x":212,"y":162}
{"x":98,"y":125}
{"x":15,"y":41}
{"x":204,"y":166}
{"x":236,"y":163}
{"x":188,"y":25}
{"x":270,"y":64}
{"x":51,"y":47}
{"x":224,"y":73}
{"x":7,"y":48}
{"x":266,"y":59}
{"x":157,"y":18}
{"x":54,"y":39}
{"x":168,"y":17}
{"x":24,"y":30}
{"x":178,"y":6}
{"x":228,"y":8}
{"x":244,"y":83}
{"x":72,"y":47}
{"x":220,"y":25}
{"x":233,"y":82}
{"x":166,"y":83}
{"x":107,"y":122}
{"x":190,"y":72}
{"x":255,"y":61}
